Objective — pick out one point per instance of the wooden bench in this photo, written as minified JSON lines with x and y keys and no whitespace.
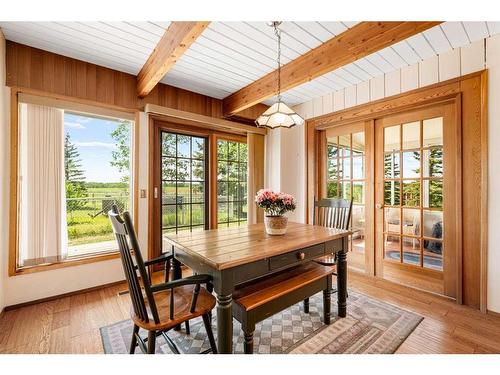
{"x":264,"y":298}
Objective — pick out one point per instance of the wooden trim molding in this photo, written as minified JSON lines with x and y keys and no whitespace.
{"x":353,"y":44}
{"x":423,"y":96}
{"x":469,"y":96}
{"x":176,"y":40}
{"x":104,"y":109}
{"x":183,"y":117}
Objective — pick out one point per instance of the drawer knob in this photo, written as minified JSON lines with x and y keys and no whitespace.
{"x":301,"y":255}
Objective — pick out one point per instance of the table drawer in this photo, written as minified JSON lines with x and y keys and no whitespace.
{"x":333,"y":246}
{"x":295,"y":257}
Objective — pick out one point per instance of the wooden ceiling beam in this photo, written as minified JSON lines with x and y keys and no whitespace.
{"x":355,"y":43}
{"x":177,"y":39}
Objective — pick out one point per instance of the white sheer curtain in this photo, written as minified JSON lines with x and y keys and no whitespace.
{"x":42,"y":183}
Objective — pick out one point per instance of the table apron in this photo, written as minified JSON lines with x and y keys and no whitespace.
{"x":226,"y":280}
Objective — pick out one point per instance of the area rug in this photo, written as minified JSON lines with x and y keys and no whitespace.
{"x":371,"y":326}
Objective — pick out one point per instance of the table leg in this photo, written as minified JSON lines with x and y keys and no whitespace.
{"x":176,"y":269}
{"x":224,"y":323}
{"x":176,"y":275}
{"x":342,"y":281}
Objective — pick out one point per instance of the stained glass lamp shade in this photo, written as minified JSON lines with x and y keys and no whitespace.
{"x":279,"y":115}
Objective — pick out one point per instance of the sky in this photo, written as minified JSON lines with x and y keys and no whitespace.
{"x":92,"y":137}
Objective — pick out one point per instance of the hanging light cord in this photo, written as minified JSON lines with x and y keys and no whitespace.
{"x":277,"y":32}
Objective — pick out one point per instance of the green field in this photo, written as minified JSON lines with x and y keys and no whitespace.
{"x":89,"y":223}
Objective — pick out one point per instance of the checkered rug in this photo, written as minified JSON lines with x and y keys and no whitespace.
{"x":371,"y":326}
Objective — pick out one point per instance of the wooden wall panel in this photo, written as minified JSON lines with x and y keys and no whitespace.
{"x":393,"y":83}
{"x":362,"y":93}
{"x":409,"y":78}
{"x":338,"y":100}
{"x":449,"y":64}
{"x":350,"y":96}
{"x":377,"y":88}
{"x":44,"y":71}
{"x":428,"y":72}
{"x":327,"y":103}
{"x":472,"y":57}
{"x":317,"y":106}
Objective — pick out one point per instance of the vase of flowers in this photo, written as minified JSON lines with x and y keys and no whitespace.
{"x":275,"y":205}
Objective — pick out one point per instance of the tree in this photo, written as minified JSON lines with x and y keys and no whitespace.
{"x":75,"y":179}
{"x":121,"y":156}
{"x":392,"y":189}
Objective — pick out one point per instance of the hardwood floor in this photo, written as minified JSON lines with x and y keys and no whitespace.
{"x":71,"y":324}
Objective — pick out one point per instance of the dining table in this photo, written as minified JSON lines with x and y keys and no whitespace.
{"x":234,"y":256}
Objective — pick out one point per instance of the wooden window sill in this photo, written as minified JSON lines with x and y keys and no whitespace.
{"x":65,"y":263}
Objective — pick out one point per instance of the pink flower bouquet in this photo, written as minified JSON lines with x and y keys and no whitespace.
{"x":275,"y":204}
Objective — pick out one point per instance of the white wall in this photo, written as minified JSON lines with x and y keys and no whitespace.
{"x":4,"y":163}
{"x":454,"y":63}
{"x":285,"y":166}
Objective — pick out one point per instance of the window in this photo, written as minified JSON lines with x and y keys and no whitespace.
{"x":183,"y":183}
{"x":231,"y":183}
{"x":72,"y":168}
{"x":97,"y":153}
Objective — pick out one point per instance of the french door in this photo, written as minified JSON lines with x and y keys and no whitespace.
{"x":417,"y":199}
{"x":403,"y":175}
{"x":349,"y":176}
{"x":198,"y":181}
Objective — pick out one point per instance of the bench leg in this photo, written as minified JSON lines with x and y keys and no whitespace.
{"x":248,"y":344}
{"x":327,"y":300}
{"x":306,"y":305}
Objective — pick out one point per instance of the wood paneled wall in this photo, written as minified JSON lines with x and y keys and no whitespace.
{"x":457,"y":62}
{"x":40,"y":70}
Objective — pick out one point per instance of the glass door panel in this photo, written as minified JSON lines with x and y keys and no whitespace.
{"x":413,"y":185}
{"x":183,"y":183}
{"x":346,"y":179}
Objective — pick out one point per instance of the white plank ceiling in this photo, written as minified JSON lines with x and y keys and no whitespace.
{"x":231,"y":55}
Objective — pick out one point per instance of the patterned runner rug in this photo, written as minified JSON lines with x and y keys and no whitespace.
{"x":371,"y":326}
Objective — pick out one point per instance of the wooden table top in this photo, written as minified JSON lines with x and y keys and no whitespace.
{"x":230,"y":247}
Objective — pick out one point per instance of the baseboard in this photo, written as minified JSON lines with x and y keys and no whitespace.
{"x":51,"y":298}
{"x":493,"y":313}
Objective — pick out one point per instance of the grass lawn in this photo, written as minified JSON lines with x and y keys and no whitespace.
{"x":88,"y":224}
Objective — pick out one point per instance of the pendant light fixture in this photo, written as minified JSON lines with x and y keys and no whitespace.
{"x":279,"y":115}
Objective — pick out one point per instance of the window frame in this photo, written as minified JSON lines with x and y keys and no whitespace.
{"x":81,"y":106}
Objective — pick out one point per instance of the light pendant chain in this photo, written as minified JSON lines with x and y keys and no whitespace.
{"x":277,"y":32}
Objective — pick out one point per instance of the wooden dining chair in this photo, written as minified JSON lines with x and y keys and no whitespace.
{"x":162,"y":306}
{"x":331,"y":213}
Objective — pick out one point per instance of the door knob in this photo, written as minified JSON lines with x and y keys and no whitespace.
{"x":301,"y":256}
{"x":379,"y":206}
